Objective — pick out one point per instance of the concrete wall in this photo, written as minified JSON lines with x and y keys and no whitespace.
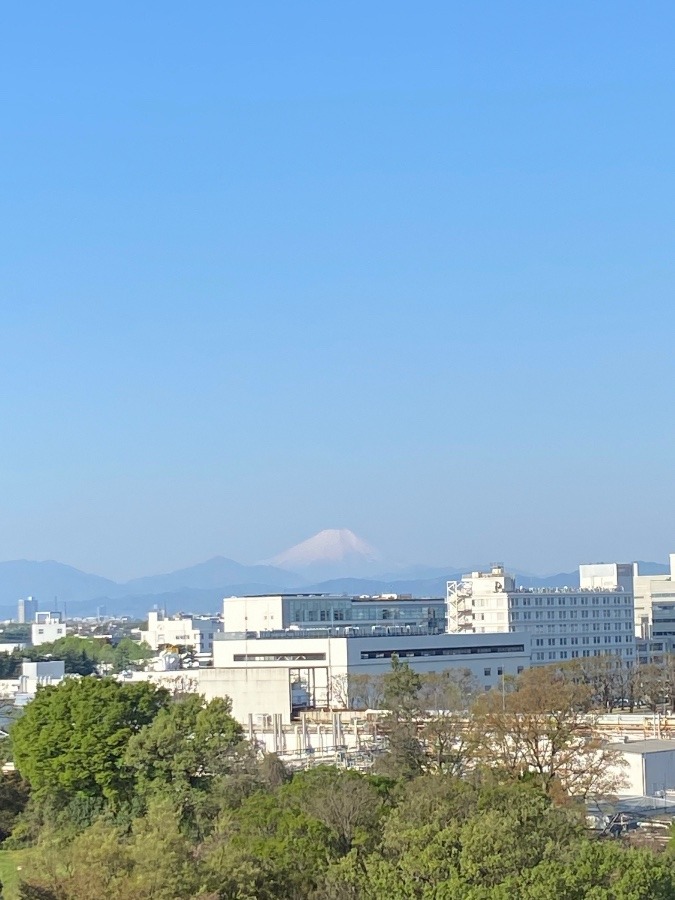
{"x":47,"y":633}
{"x":255,"y":673}
{"x":255,"y":691}
{"x":633,"y":776}
{"x":253,"y":613}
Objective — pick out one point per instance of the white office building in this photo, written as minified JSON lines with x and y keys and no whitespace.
{"x":654,"y":595}
{"x":563,"y":623}
{"x":287,"y":672}
{"x":47,"y":628}
{"x":655,"y":602}
{"x":195,"y":632}
{"x":371,"y":615}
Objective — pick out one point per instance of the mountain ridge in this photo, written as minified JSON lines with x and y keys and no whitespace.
{"x":203,"y":586}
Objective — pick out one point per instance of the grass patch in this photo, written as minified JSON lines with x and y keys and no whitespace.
{"x":9,"y":874}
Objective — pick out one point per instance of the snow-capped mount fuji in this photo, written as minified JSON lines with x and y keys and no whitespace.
{"x":332,"y":553}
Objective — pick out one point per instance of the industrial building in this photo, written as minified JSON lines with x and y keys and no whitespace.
{"x":33,"y":675}
{"x":280,"y":654}
{"x":649,"y":767}
{"x":564,"y":623}
{"x":288,"y":672}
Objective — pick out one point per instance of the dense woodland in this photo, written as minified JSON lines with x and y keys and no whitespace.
{"x":123,"y":791}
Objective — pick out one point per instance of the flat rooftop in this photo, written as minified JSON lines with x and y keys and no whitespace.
{"x":653,"y":745}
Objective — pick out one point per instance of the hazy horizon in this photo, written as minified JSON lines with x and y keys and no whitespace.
{"x":383,"y":567}
{"x":274,"y":270}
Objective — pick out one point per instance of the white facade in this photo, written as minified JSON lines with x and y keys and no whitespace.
{"x":33,"y":675}
{"x":564,"y":623}
{"x":37,"y":674}
{"x":278,"y":612}
{"x":47,"y":628}
{"x":606,"y":576}
{"x":654,"y":595}
{"x":196,"y":632}
{"x":649,"y":769}
{"x":268,"y":675}
{"x":655,"y":602}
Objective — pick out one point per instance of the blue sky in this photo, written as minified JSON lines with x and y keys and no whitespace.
{"x":272,"y":268}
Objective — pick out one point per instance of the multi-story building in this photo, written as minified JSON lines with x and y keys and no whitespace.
{"x":652,"y":650}
{"x":47,"y":628}
{"x":654,"y":602}
{"x":282,"y":653}
{"x":654,"y":595}
{"x":373,"y":615}
{"x":196,"y":632}
{"x":26,"y":610}
{"x":563,"y":623}
{"x":288,"y":671}
{"x":606,"y":576}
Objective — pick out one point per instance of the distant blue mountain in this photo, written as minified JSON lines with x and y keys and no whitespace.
{"x":201,"y":588}
{"x":46,"y":581}
{"x":214,"y":573}
{"x":653,"y":568}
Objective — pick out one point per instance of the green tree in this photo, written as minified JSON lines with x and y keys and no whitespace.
{"x":268,"y":849}
{"x":188,"y":744}
{"x":72,"y":738}
{"x":81,"y":656}
{"x":448,"y":839}
{"x":150,"y":861}
{"x":348,"y":803}
{"x":10,"y":664}
{"x":401,"y":688}
{"x":13,"y":799}
{"x":185,"y":753}
{"x":128,"y":654}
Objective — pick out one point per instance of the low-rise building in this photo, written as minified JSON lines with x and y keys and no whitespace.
{"x":196,"y":632}
{"x":33,"y":675}
{"x":47,"y":628}
{"x":649,"y":767}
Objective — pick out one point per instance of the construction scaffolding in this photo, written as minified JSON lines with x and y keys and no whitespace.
{"x":460,"y":607}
